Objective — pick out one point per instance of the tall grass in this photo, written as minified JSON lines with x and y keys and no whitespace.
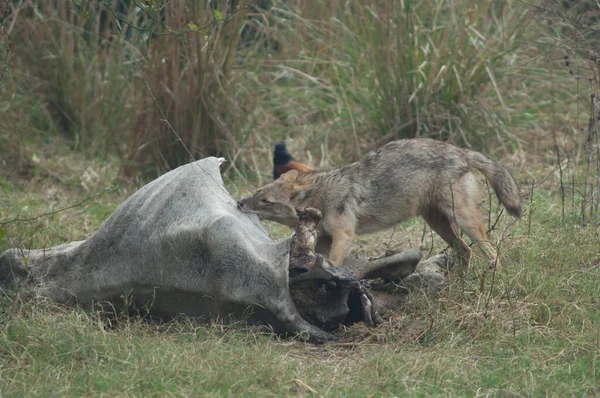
{"x":62,"y":57}
{"x":338,"y":77}
{"x":410,"y":66}
{"x":356,"y":74}
{"x":572,"y":40}
{"x":189,"y":109}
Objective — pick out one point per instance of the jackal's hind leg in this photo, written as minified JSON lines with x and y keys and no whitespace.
{"x":468,"y":220}
{"x":448,"y":231}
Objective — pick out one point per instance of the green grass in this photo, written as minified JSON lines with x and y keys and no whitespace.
{"x":533,"y":331}
{"x":52,"y":352}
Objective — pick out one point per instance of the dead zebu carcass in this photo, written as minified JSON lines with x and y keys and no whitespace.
{"x":181,"y":245}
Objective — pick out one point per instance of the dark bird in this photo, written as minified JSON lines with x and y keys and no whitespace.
{"x":284,"y":162}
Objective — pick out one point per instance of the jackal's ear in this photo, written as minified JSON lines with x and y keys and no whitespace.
{"x":301,"y":191}
{"x":290,"y":176}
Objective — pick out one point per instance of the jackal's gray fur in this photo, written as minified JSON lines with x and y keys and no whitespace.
{"x":401,"y":180}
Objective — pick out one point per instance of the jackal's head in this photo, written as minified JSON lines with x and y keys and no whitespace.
{"x":274,"y":201}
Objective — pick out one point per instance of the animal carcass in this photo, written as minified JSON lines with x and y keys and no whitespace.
{"x":181,"y":245}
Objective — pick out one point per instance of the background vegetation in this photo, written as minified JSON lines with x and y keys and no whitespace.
{"x":98,"y":97}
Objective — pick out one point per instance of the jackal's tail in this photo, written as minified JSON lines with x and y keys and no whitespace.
{"x":503,"y":182}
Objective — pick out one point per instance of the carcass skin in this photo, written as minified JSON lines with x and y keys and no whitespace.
{"x":179,"y":245}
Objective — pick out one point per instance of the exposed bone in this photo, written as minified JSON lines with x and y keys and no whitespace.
{"x":302,"y":244}
{"x":306,"y":265}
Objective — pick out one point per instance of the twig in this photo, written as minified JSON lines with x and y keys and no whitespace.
{"x":590,"y":141}
{"x":531,"y":208}
{"x":489,"y":209}
{"x":557,"y":149}
{"x":3,"y":223}
{"x":493,"y":227}
{"x":498,"y":249}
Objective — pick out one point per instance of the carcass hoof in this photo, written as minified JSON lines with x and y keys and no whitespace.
{"x":429,"y":274}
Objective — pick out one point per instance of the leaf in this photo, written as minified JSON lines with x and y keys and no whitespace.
{"x":38,"y":13}
{"x":77,"y":3}
{"x":194,"y":27}
{"x":218,"y":15}
{"x":2,"y":233}
{"x":203,"y":31}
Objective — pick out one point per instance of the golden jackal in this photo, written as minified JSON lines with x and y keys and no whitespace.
{"x":401,"y":180}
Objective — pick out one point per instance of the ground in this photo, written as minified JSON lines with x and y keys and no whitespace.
{"x":530,"y":328}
